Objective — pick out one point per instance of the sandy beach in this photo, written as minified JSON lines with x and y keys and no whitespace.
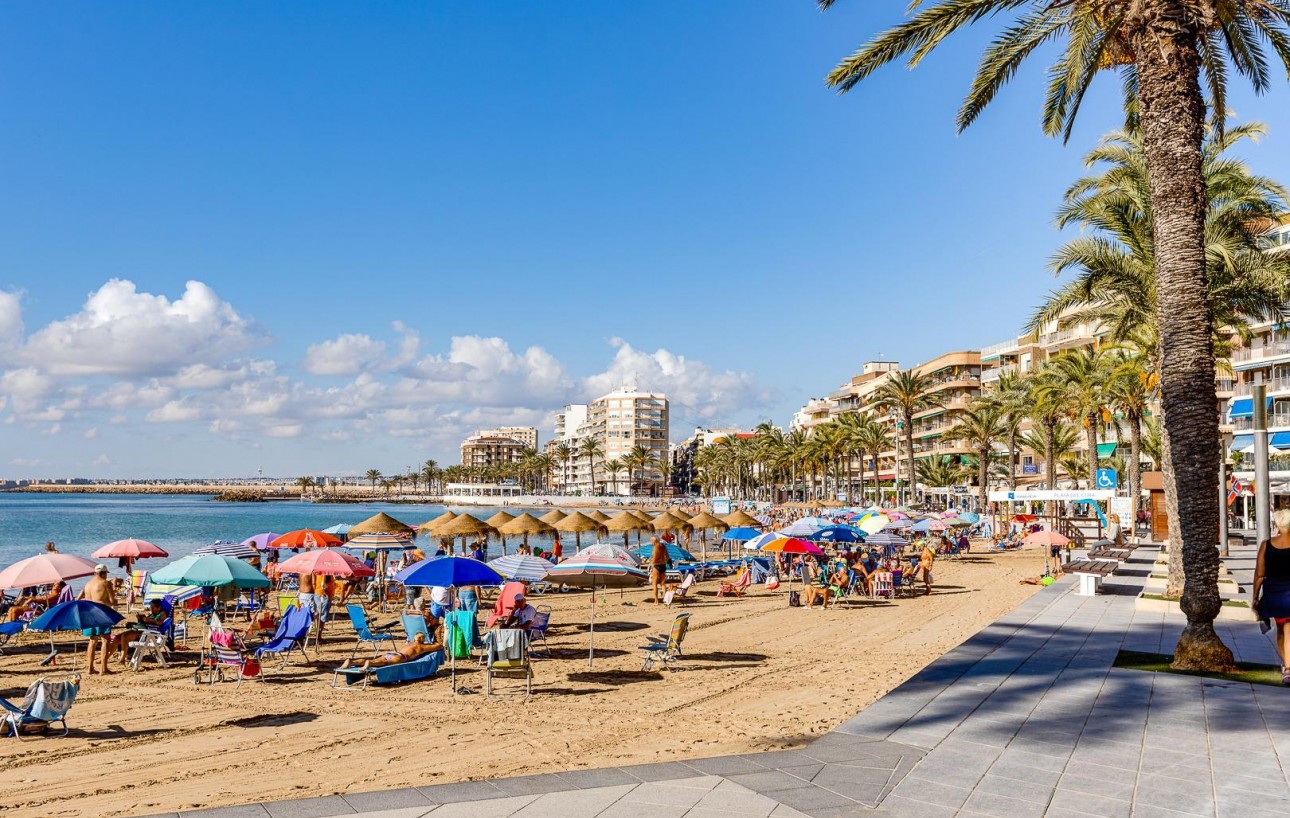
{"x":758,"y":675}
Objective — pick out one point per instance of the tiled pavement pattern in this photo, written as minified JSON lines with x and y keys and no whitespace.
{"x":1026,"y":718}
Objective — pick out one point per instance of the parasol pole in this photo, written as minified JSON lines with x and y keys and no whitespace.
{"x":591,"y":642}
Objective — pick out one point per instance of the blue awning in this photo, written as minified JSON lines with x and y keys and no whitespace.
{"x":1279,"y":440}
{"x":1243,"y":408}
{"x":1243,"y":443}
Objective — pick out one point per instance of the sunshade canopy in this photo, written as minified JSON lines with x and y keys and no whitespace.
{"x":210,"y":571}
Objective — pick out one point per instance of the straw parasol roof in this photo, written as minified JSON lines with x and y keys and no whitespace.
{"x":577,"y":522}
{"x":500,"y":519}
{"x":430,"y":526}
{"x":668,"y":521}
{"x":624,"y":522}
{"x":553,"y":516}
{"x":524,"y":524}
{"x":640,"y":515}
{"x":705,"y":520}
{"x":381,"y":524}
{"x":598,"y":515}
{"x":465,"y":524}
{"x":740,"y":517}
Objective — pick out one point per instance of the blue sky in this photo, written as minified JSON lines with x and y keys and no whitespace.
{"x":406,"y":220}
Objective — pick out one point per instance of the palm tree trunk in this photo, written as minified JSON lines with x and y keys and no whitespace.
{"x":982,"y":475}
{"x":1012,"y":457}
{"x":862,"y":500}
{"x":1172,"y":117}
{"x":1135,"y":470}
{"x":1090,"y":438}
{"x":1050,"y":467}
{"x":909,"y":444}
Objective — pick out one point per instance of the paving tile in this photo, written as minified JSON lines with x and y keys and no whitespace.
{"x":1014,"y":788}
{"x":530,"y":784}
{"x":782,"y":811}
{"x":403,"y":812}
{"x":900,"y":807}
{"x":932,"y":792}
{"x":624,"y":809}
{"x":665,"y":795}
{"x":602,"y":777}
{"x":240,"y":811}
{"x":730,"y":797}
{"x":488,"y":808}
{"x":309,"y":807}
{"x":1091,"y":803}
{"x":725,"y":765}
{"x":982,"y":803}
{"x":573,"y":803}
{"x":1026,"y":758}
{"x":461,"y":791}
{"x":770,"y":780}
{"x":810,"y":799}
{"x":662,"y":771}
{"x":1022,"y":772}
{"x":387,"y":800}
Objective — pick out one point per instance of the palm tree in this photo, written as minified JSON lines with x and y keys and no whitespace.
{"x":305,"y":484}
{"x":639,"y":459}
{"x":1130,"y":390}
{"x":905,"y":393}
{"x":374,"y":476}
{"x":1163,"y":50}
{"x":429,"y":471}
{"x":590,"y":449}
{"x":1012,"y":395}
{"x":939,"y":472}
{"x":980,"y":427}
{"x":614,"y":466}
{"x":872,"y":441}
{"x":563,"y":453}
{"x":1048,"y":413}
{"x":1079,"y":382}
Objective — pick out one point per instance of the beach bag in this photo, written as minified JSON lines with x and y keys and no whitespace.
{"x":772,"y":583}
{"x":794,"y":599}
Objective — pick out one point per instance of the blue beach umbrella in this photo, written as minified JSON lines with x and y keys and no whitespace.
{"x":837,"y":533}
{"x":675,"y":553}
{"x":740,"y":534}
{"x":79,"y":614}
{"x":922,"y":526}
{"x":447,"y":572}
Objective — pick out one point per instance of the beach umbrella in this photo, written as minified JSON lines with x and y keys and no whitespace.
{"x":305,"y":538}
{"x":806,"y":525}
{"x":45,"y":569}
{"x":873,"y":523}
{"x":225,"y":548}
{"x":971,"y":517}
{"x":675,"y":553}
{"x":1024,"y":518}
{"x":592,"y":571}
{"x":577,"y":523}
{"x":381,"y":523}
{"x":129,"y":549}
{"x":523,"y":526}
{"x":260,"y":542}
{"x":463,"y":525}
{"x":77,"y":615}
{"x":379,"y":542}
{"x":624,"y":522}
{"x":740,"y":534}
{"x":938,"y":525}
{"x":338,"y":530}
{"x":449,"y":572}
{"x":667,"y":521}
{"x":521,"y":567}
{"x":922,"y":526}
{"x":597,"y":515}
{"x":1046,"y":538}
{"x":757,"y":542}
{"x":613,"y":552}
{"x":702,"y":522}
{"x":792,"y":545}
{"x":326,"y":562}
{"x":553,"y":516}
{"x":641,"y":515}
{"x":897,"y":515}
{"x":431,"y":526}
{"x":898,"y":525}
{"x":886,"y":540}
{"x":740,"y":517}
{"x":210,"y":571}
{"x":837,"y":534}
{"x":496,"y":522}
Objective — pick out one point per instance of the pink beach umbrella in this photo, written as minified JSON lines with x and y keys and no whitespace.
{"x":45,"y":569}
{"x":129,"y":549}
{"x":326,"y":562}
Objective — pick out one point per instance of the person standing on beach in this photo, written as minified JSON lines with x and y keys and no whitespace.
{"x":557,"y":550}
{"x":1270,"y":596}
{"x":99,"y":590}
{"x":658,"y":566}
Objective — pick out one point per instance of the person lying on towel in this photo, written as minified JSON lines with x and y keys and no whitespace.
{"x":409,"y":652}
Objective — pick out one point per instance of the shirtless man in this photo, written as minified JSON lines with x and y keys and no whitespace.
{"x":99,"y":590}
{"x":309,"y":598}
{"x":412,"y":650}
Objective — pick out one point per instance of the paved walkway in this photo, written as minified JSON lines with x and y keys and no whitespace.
{"x":1026,"y":718}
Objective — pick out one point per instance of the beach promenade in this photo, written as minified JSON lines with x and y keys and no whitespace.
{"x":1026,"y":718}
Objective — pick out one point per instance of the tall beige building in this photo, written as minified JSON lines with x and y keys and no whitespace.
{"x":484,"y":450}
{"x":527,"y":435}
{"x":619,"y":422}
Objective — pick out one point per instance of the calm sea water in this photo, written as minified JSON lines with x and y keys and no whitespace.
{"x":81,"y":523}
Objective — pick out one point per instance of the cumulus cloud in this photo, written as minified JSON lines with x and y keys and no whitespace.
{"x":349,"y":354}
{"x":10,"y":317}
{"x":123,"y":332}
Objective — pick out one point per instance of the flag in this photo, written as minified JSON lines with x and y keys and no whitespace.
{"x":1234,"y":490}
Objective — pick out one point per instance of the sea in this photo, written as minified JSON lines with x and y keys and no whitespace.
{"x":81,"y":523}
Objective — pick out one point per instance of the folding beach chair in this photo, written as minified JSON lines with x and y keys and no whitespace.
{"x":682,"y":591}
{"x":150,"y":644}
{"x":739,"y":586}
{"x":46,"y":703}
{"x":414,"y":624}
{"x":538,"y":628}
{"x":292,"y":634}
{"x":364,"y":633}
{"x":666,"y":647}
{"x":507,"y":657}
{"x":228,"y":657}
{"x":881,"y":585}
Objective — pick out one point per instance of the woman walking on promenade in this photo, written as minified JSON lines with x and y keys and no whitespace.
{"x":1271,"y":595}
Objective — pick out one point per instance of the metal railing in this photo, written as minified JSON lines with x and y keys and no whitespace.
{"x":1255,"y":353}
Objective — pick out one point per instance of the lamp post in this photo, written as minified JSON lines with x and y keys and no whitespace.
{"x":1262,"y":489}
{"x":1222,"y":495}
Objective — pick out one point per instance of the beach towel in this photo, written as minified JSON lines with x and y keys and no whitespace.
{"x":508,"y":645}
{"x":49,"y":701}
{"x":422,"y":668}
{"x":461,"y":627}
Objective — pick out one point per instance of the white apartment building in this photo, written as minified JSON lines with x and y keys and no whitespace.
{"x":526,"y":436}
{"x":619,"y":422}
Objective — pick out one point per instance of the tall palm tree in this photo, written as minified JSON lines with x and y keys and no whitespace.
{"x":1164,"y":51}
{"x":905,"y":393}
{"x":939,"y":472}
{"x":306,"y":485}
{"x":872,"y":441}
{"x":1012,"y":395}
{"x":1048,"y":413}
{"x":563,"y":453}
{"x":590,"y":449}
{"x":639,"y":459}
{"x":614,"y":467}
{"x":1079,"y":382}
{"x":429,"y":473}
{"x":373,"y":476}
{"x":980,"y":426}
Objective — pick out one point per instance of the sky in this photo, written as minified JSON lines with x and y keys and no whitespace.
{"x":323,"y":238}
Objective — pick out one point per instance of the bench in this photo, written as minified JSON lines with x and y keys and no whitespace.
{"x":1090,"y":573}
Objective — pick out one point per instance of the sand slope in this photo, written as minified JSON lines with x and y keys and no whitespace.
{"x":758,"y":675}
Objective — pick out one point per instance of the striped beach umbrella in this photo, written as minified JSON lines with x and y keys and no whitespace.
{"x":521,"y":567}
{"x":592,"y":571}
{"x":224,"y":548}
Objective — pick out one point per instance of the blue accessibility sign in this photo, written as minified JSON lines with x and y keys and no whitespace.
{"x":1108,"y":479}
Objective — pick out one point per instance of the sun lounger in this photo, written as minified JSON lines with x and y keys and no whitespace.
{"x":421,"y":668}
{"x":46,"y":703}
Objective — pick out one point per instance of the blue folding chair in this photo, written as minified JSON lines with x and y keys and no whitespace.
{"x":414,"y":624}
{"x":46,"y":703}
{"x":358,"y":618}
{"x":292,"y":634}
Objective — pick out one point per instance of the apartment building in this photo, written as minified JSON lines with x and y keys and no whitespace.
{"x":619,"y":421}
{"x":526,"y":435}
{"x":484,"y":450}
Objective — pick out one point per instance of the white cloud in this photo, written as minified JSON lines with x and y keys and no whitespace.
{"x":10,"y":317}
{"x":102,"y":460}
{"x":174,"y":412}
{"x":349,"y":354}
{"x":121,"y":331}
{"x":91,"y":433}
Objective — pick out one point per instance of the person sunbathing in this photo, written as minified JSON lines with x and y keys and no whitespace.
{"x":34,"y":602}
{"x":410,"y":652}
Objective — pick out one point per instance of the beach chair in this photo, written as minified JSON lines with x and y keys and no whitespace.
{"x":292,"y":634}
{"x":149,"y":644}
{"x":46,"y":703}
{"x":417,"y":669}
{"x":505,"y":603}
{"x":740,"y":585}
{"x":881,"y":585}
{"x":538,"y":628}
{"x":682,"y":591}
{"x":364,"y":633}
{"x":414,"y":624}
{"x":507,"y":657}
{"x":227,"y":658}
{"x":666,"y":647}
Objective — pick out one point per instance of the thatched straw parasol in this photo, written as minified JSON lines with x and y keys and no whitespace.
{"x":462,"y":526}
{"x":667,"y":521}
{"x":703,"y":521}
{"x":523,"y":526}
{"x":431,"y":526}
{"x":598,"y":515}
{"x":496,"y":522}
{"x":577,"y":522}
{"x":381,"y":524}
{"x":738,"y":518}
{"x":640,"y":515}
{"x":553,"y":516}
{"x":624,"y":522}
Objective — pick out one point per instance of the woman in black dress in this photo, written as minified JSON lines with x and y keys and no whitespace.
{"x":1271,"y":595}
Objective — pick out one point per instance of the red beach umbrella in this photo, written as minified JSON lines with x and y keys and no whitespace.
{"x":305,"y":538}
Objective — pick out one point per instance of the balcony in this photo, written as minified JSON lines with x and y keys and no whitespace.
{"x":1273,"y":385}
{"x":1001,"y":348}
{"x":1261,"y":352}
{"x":993,"y":374}
{"x":1275,"y":420}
